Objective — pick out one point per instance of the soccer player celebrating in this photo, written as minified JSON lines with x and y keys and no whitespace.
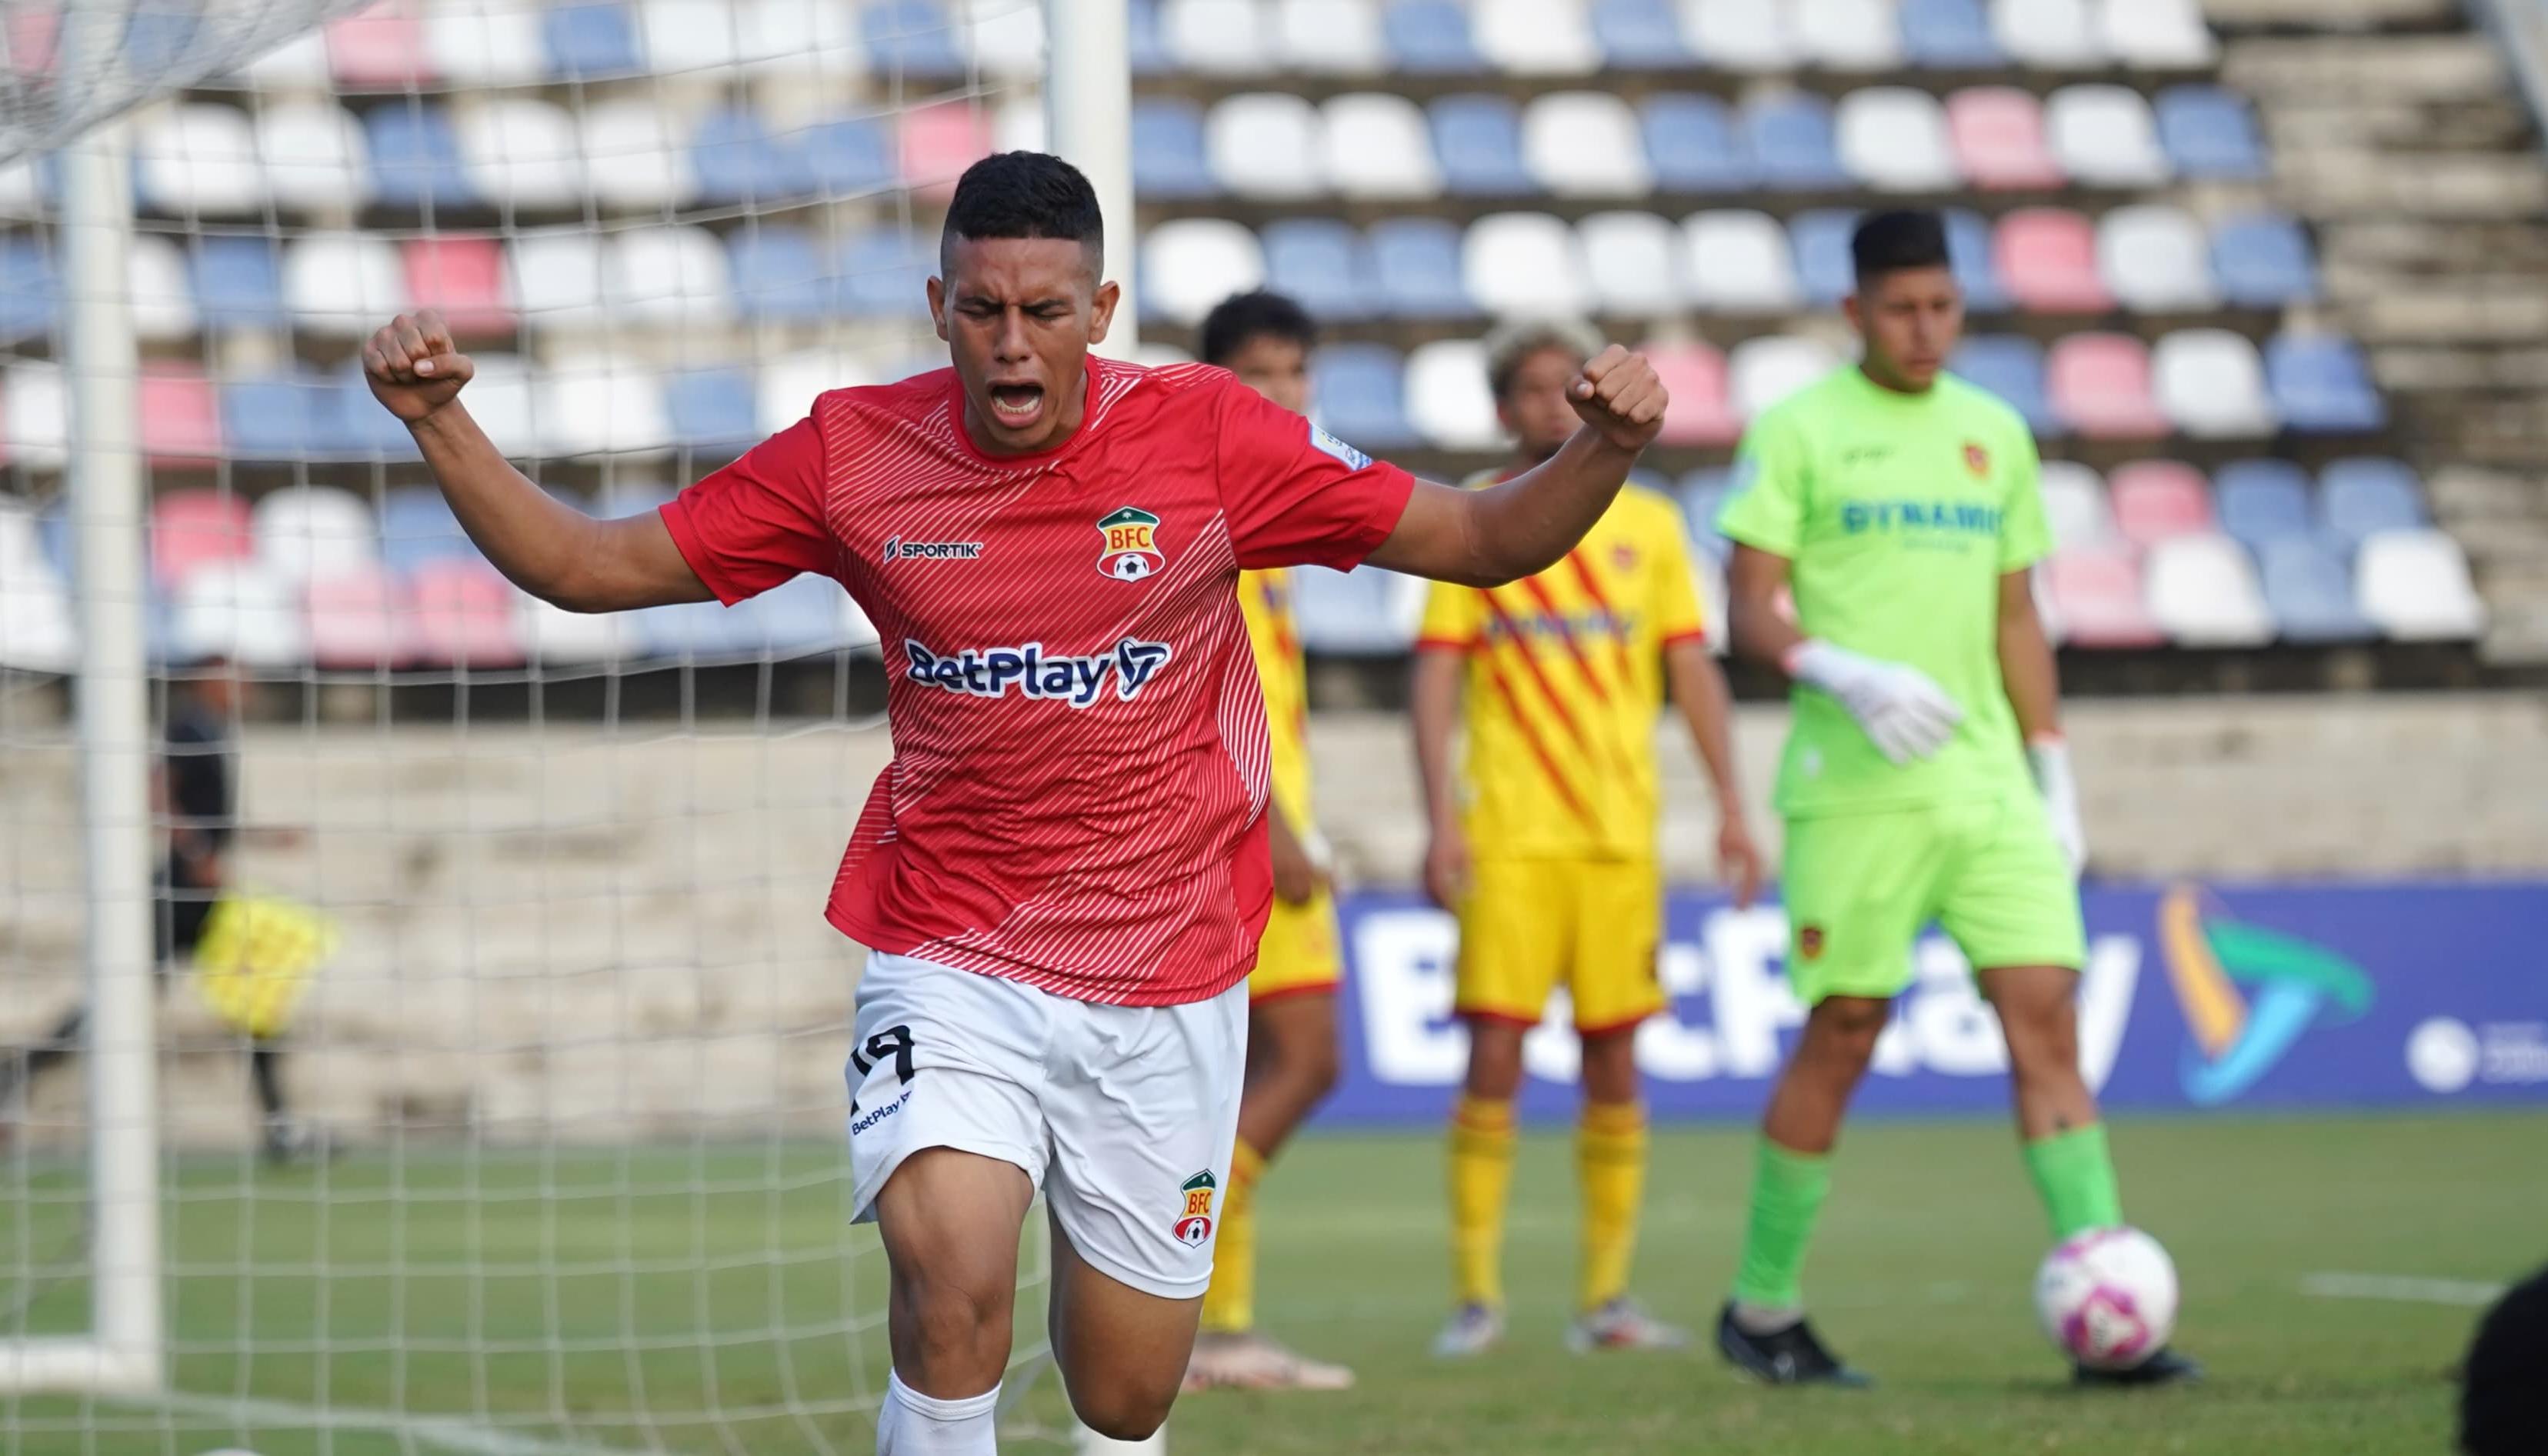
{"x":1543,"y":839}
{"x":1062,"y":873}
{"x":1265,"y":338}
{"x":1899,"y":506}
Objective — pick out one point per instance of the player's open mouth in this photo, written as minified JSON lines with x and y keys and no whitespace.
{"x":1017,"y":403}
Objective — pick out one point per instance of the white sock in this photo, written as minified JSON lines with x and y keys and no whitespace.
{"x":1765,"y":1318}
{"x":914,"y":1424}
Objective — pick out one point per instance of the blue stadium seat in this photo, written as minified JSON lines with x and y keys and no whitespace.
{"x":158,"y":44}
{"x":1820,"y":237}
{"x":1353,"y":613}
{"x":797,"y":616}
{"x":1359,"y":394}
{"x":417,"y":526}
{"x":590,"y":38}
{"x":239,"y":282}
{"x":1322,"y":263}
{"x":2320,"y":385}
{"x":1701,"y":496}
{"x":1639,"y":35}
{"x":1975,"y":261}
{"x":2367,"y":494}
{"x":30,"y":292}
{"x":1791,"y":136}
{"x":778,"y":273}
{"x":2010,"y":366}
{"x":349,"y":422}
{"x":1949,"y":33}
{"x":1431,"y":37}
{"x":1416,"y":262}
{"x":2261,"y":502}
{"x":416,"y":156}
{"x":2210,"y":134}
{"x":1477,"y":140}
{"x":1148,"y":45}
{"x":738,"y":160}
{"x":1169,"y":158}
{"x":912,"y":37}
{"x":278,"y":416}
{"x":850,"y":156}
{"x":1694,"y":146}
{"x":2263,"y":261}
{"x":2310,"y":590}
{"x":885,"y":275}
{"x":711,"y":407}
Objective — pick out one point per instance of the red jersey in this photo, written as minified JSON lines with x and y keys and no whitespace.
{"x":1078,"y":782}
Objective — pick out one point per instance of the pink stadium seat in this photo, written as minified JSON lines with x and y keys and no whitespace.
{"x":379,"y":46}
{"x":2097,"y":597}
{"x":356,"y":619}
{"x":1702,"y":408}
{"x":191,"y":529}
{"x":940,"y":142}
{"x":461,"y":614}
{"x":2049,"y":258}
{"x":181,"y":417}
{"x":1998,"y":136}
{"x":2158,"y":498}
{"x":31,"y":32}
{"x":2100,"y":383}
{"x":461,"y":276}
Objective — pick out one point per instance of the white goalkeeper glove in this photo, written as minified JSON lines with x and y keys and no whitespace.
{"x":2050,"y":757}
{"x":1905,"y":714}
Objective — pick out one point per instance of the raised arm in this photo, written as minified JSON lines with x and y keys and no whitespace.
{"x":1488,"y":537}
{"x":541,"y":544}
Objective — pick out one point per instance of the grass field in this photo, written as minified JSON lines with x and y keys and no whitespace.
{"x":515,"y":1305}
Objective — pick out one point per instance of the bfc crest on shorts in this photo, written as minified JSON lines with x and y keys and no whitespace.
{"x":1131,"y":550}
{"x":1194,"y":1222}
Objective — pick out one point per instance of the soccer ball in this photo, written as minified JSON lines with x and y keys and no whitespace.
{"x":2107,"y":1296}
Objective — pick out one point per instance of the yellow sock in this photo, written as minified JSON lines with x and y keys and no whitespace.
{"x":1611,"y":1165}
{"x":1230,"y":1302}
{"x":1481,"y":1158}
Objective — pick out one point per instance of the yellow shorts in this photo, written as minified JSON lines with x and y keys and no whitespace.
{"x":1591,"y":924}
{"x":1298,"y":952}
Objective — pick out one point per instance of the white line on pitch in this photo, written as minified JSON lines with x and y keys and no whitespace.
{"x":2403,"y":1288}
{"x":440,"y":1432}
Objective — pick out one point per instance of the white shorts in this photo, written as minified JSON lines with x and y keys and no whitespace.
{"x":1124,"y":1115}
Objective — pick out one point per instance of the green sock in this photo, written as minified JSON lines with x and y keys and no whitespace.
{"x":1788,"y":1189}
{"x":2076,"y":1178}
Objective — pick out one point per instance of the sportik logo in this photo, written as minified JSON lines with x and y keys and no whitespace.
{"x":2291,"y":985}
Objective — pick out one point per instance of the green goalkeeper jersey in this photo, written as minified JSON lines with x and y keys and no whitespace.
{"x":1899,"y":512}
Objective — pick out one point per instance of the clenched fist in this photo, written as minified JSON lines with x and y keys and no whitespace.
{"x":1619,"y":395}
{"x":412,"y":367}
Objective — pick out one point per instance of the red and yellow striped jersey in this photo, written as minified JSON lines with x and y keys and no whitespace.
{"x":1274,"y":635}
{"x":1564,"y":681}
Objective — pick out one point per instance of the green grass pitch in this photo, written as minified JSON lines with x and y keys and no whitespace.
{"x":559,"y":1301}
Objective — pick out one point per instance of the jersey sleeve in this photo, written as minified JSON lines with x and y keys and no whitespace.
{"x":2025,"y":537}
{"x":1295,"y":495}
{"x":1766,"y":508}
{"x":758,"y":522}
{"x":1678,"y":615}
{"x":1453,"y":617}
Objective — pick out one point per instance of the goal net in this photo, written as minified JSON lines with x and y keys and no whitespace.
{"x":517,"y":911}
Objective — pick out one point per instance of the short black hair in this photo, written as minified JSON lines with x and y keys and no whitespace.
{"x":2504,"y":1403}
{"x":1896,"y":240}
{"x":1026,"y":194}
{"x":1260,"y":313}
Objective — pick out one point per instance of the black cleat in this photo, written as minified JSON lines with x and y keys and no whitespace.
{"x":1791,"y":1357}
{"x":2167,"y":1367}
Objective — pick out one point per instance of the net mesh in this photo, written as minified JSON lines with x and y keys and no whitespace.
{"x":519,"y":909}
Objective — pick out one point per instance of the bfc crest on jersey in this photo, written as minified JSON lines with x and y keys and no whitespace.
{"x":1977,"y":460}
{"x":1031,"y":672}
{"x":1132,"y":550}
{"x":1194,"y":1222}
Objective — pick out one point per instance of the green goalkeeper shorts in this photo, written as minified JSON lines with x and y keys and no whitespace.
{"x":1860,"y":887}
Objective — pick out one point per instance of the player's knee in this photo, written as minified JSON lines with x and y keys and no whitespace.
{"x":961,"y":1325}
{"x":2042,"y":1039}
{"x":1124,"y":1410}
{"x":1316,"y":1068}
{"x":1495,"y":1059}
{"x":1846,"y":1027}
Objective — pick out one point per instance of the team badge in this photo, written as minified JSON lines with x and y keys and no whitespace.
{"x":1194,"y":1222}
{"x":1977,"y":460}
{"x":1809,"y":942}
{"x":1624,"y":556}
{"x":1132,"y":550}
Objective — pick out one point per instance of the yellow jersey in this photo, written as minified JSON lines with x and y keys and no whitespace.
{"x":1274,"y":635}
{"x":1564,"y":681}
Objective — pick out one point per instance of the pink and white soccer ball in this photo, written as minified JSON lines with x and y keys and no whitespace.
{"x":2107,"y":1296}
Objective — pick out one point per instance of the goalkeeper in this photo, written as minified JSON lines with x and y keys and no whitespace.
{"x":1899,"y":504}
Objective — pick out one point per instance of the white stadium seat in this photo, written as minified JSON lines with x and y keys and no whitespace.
{"x":303,"y":531}
{"x":1377,"y":146}
{"x":2211,"y":384}
{"x":313,"y":155}
{"x":1894,"y":140}
{"x":1447,"y":397}
{"x":2105,"y":137}
{"x":521,"y":151}
{"x":2050,"y":35}
{"x":1740,"y":263}
{"x":1740,"y":34}
{"x":1634,"y":261}
{"x":199,"y":159}
{"x":1265,"y":144}
{"x":1584,"y":144}
{"x":298,"y":64}
{"x":1849,"y":35}
{"x":2156,"y":258}
{"x":1768,"y":369}
{"x":36,"y":414}
{"x":18,"y":190}
{"x":556,"y":278}
{"x":1523,"y":263}
{"x":500,"y":399}
{"x":342,"y":283}
{"x":1006,"y":39}
{"x":1536,"y":37}
{"x":816,"y":36}
{"x":672,"y":276}
{"x":2160,"y":35}
{"x":241,"y":611}
{"x":2074,"y":505}
{"x":1020,"y":125}
{"x":2414,"y":584}
{"x":1192,"y":263}
{"x":1215,"y":37}
{"x":600,"y":403}
{"x":790,"y":382}
{"x":553,"y":634}
{"x":470,"y":43}
{"x":635,"y":156}
{"x":1329,"y":37}
{"x":163,"y":301}
{"x":38,"y":632}
{"x":2201,"y":591}
{"x":687,"y":35}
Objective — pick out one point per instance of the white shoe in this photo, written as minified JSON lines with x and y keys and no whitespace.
{"x":1472,"y":1330}
{"x":1622,"y":1324}
{"x":1247,"y":1360}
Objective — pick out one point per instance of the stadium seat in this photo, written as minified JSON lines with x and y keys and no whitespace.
{"x":191,"y":529}
{"x":1952,"y":35}
{"x":1359,"y":392}
{"x":779,"y":274}
{"x":1767,"y":369}
{"x":1791,"y":136}
{"x":687,"y":37}
{"x":380,"y":47}
{"x":34,"y":414}
{"x":849,"y":157}
{"x":1740,"y":263}
{"x":910,"y":37}
{"x":357,"y":618}
{"x":1974,"y":256}
{"x":2103,"y":137}
{"x":1417,"y":261}
{"x":1584,"y":144}
{"x":2203,"y":593}
{"x":789,"y":384}
{"x":1523,"y":263}
{"x":298,"y":64}
{"x":1846,"y":34}
{"x":500,"y":399}
{"x":1215,"y":37}
{"x":198,"y":159}
{"x":1431,"y":37}
{"x":2415,"y":585}
{"x":2157,"y":500}
{"x":1376,"y":145}
{"x":2263,"y":261}
{"x":1820,"y":237}
{"x":2010,"y":366}
{"x":461,"y":275}
{"x":2211,"y":135}
{"x":2048,"y":257}
{"x":556,"y":278}
{"x":1998,"y":136}
{"x":2157,"y":259}
{"x":1266,"y":144}
{"x":799,"y":617}
{"x":2364,"y":495}
{"x":1639,"y":35}
{"x":29,"y":289}
{"x":589,"y":39}
{"x":1893,"y":139}
{"x":1694,"y":146}
{"x":1169,"y":159}
{"x":1633,"y":262}
{"x":416,"y":156}
{"x":1004,"y":41}
{"x":38,"y":632}
{"x":237,"y":282}
{"x":475,"y":46}
{"x":2075,"y":506}
{"x":1148,"y":42}
{"x":343,"y":284}
{"x":237,"y":610}
{"x":417,"y":526}
{"x":154,"y":286}
{"x":460,"y":613}
{"x":598,"y":405}
{"x":734,"y":159}
{"x":1740,"y":34}
{"x":2310,"y":590}
{"x":181,"y":417}
{"x":552,"y":634}
{"x":885,"y":274}
{"x":2100,"y":386}
{"x":671,"y":277}
{"x":1535,"y":37}
{"x":2047,"y":34}
{"x":1447,"y":397}
{"x":2210,"y":383}
{"x":937,"y":143}
{"x":2321,"y":386}
{"x":1329,"y":37}
{"x":711,"y":410}
{"x":312,"y":154}
{"x":1365,"y":612}
{"x":2157,"y":34}
{"x":2263,"y":502}
{"x":1478,"y":141}
{"x":263,"y":417}
{"x":1192,"y":263}
{"x":2096,"y":596}
{"x":1322,"y":263}
{"x":350,"y":423}
{"x":521,"y":153}
{"x":1701,"y":411}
